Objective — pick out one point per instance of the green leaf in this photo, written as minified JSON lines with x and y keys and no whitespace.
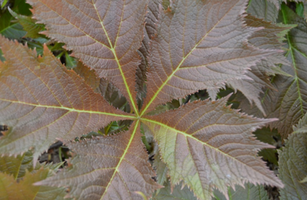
{"x":290,"y":89}
{"x":292,"y":165}
{"x":4,"y":2}
{"x":248,"y":192}
{"x":28,"y":25}
{"x":17,"y":166}
{"x":177,"y":193}
{"x":70,"y":61}
{"x":161,"y":170}
{"x":24,"y":189}
{"x":14,"y":31}
{"x":288,"y":102}
{"x":300,"y":9}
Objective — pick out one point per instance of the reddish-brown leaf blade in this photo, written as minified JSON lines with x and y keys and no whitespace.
{"x":43,"y":101}
{"x":200,"y":45}
{"x":208,"y":145}
{"x":113,"y":167}
{"x":105,"y":35}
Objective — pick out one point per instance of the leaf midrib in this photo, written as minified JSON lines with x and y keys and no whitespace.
{"x":125,"y":115}
{"x":122,"y":158}
{"x":116,"y":58}
{"x":296,"y":77}
{"x":111,"y":48}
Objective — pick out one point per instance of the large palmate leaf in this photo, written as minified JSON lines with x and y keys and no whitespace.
{"x":293,"y":164}
{"x":189,"y":46}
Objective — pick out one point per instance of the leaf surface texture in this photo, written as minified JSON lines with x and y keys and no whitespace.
{"x":191,"y":51}
{"x":56,"y":102}
{"x":292,"y":165}
{"x":201,"y":145}
{"x":113,"y":167}
{"x":183,"y":47}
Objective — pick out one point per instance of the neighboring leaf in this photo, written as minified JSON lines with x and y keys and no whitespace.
{"x":14,"y":31}
{"x":28,"y":25}
{"x":269,"y":155}
{"x":4,"y":2}
{"x":5,"y":20}
{"x":161,"y":170}
{"x":263,"y":9}
{"x":17,"y":166}
{"x":112,"y":29}
{"x":88,"y":75}
{"x":149,"y":33}
{"x":177,"y":193}
{"x":264,"y":38}
{"x":20,"y":7}
{"x":24,"y":189}
{"x":248,"y":192}
{"x":301,"y":126}
{"x":208,"y":145}
{"x":277,"y":3}
{"x":266,"y":135}
{"x":300,"y":9}
{"x":293,"y":167}
{"x":112,"y":167}
{"x":191,"y":51}
{"x":70,"y":61}
{"x":288,"y":102}
{"x":51,"y":101}
{"x":113,"y":95}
